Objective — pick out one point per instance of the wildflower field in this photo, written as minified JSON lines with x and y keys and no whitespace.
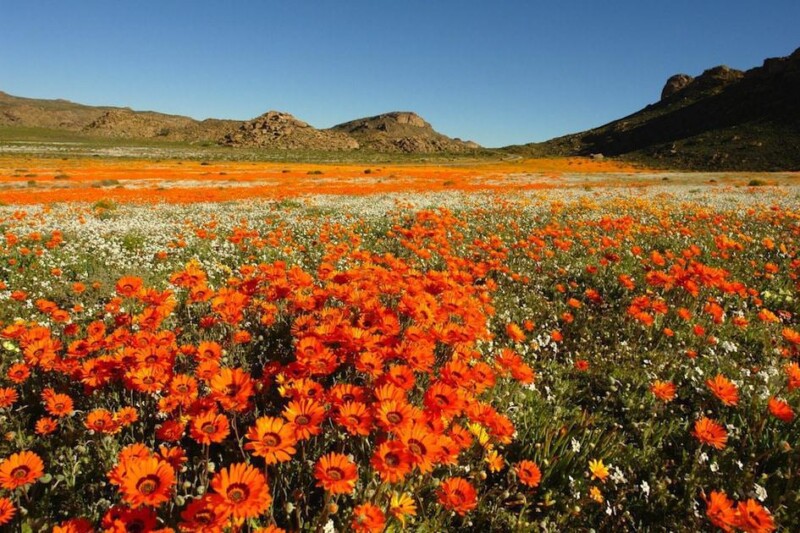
{"x":479,"y":351}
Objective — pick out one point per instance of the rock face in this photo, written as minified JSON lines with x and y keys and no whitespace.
{"x":401,"y":131}
{"x":675,"y":84}
{"x":283,"y":131}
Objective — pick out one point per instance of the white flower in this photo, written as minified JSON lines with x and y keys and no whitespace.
{"x":645,"y":489}
{"x":761,"y":492}
{"x":576,"y":445}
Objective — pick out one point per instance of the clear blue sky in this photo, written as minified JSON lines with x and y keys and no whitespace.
{"x":498,"y":72}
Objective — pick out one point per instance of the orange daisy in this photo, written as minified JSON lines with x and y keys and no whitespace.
{"x":203,"y":517}
{"x":458,"y":495}
{"x":780,"y":409}
{"x":232,"y":388}
{"x":724,"y":389}
{"x":209,"y":427}
{"x":663,"y":390}
{"x":752,"y":517}
{"x":46,"y":426}
{"x":528,"y":473}
{"x":719,"y":509}
{"x":147,"y":481}
{"x":392,"y":461}
{"x":306,"y":416}
{"x":20,"y":469}
{"x":273,"y":439}
{"x":422,"y":444}
{"x":7,"y":511}
{"x":241,"y":491}
{"x":336,"y":473}
{"x":102,"y":421}
{"x":709,"y":432}
{"x":355,"y":418}
{"x":368,"y":518}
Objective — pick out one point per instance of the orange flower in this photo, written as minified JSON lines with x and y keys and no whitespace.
{"x":663,"y":390}
{"x":793,"y":375}
{"x":273,"y":439}
{"x":203,"y":517}
{"x":751,"y":517}
{"x":393,"y":415}
{"x":355,"y":418}
{"x":126,"y":416}
{"x":514,"y":332}
{"x":232,"y":388}
{"x":74,"y":525}
{"x":209,"y":427}
{"x":7,"y":510}
{"x":392,"y":461}
{"x":46,"y":426}
{"x":8,"y":397}
{"x":709,"y":432}
{"x":241,"y":491}
{"x":20,"y":469}
{"x":724,"y":389}
{"x":368,"y":518}
{"x":780,"y":409}
{"x":147,"y":481}
{"x":458,"y":495}
{"x":102,"y":421}
{"x":306,"y":416}
{"x":528,"y":473}
{"x":129,"y":286}
{"x":422,"y":444}
{"x":18,"y":372}
{"x":719,"y":509}
{"x":336,"y":473}
{"x":58,"y":405}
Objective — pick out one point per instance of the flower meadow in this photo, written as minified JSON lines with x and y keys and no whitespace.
{"x":550,"y":360}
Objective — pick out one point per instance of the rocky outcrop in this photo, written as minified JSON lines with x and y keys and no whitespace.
{"x":283,"y":131}
{"x":674,"y":84}
{"x":402,"y":132}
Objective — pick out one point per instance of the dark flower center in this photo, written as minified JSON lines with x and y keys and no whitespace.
{"x":20,"y":472}
{"x":148,"y":485}
{"x":238,"y":492}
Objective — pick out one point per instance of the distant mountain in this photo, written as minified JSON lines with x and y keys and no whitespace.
{"x":393,"y":132}
{"x":401,"y":131}
{"x":116,"y":122}
{"x":722,"y":119}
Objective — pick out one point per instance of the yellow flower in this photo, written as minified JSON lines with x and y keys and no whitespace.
{"x":480,"y":433}
{"x":596,"y":495}
{"x":495,"y":461}
{"x":598,"y":469}
{"x":402,"y":505}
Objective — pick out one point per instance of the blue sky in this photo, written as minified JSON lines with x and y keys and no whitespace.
{"x":501,"y":72}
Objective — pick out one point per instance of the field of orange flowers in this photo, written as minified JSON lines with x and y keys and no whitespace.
{"x":534,"y":359}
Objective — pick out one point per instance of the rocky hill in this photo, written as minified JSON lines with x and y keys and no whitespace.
{"x":283,"y":131}
{"x":401,"y":131}
{"x":722,"y":119}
